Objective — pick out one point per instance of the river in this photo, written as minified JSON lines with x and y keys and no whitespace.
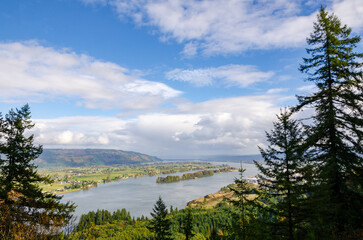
{"x":138,"y":195}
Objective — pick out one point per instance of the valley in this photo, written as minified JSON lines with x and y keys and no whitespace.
{"x":81,"y":178}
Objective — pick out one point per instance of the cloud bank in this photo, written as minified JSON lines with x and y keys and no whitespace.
{"x":30,"y":72}
{"x":233,"y":125}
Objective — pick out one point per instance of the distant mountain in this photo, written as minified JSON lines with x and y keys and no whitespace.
{"x":90,"y":157}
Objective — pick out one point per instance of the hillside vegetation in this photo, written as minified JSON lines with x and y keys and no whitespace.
{"x":90,"y":157}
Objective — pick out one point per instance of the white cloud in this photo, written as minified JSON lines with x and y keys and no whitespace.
{"x":222,"y":27}
{"x":232,"y":125}
{"x":65,"y":137}
{"x":229,"y":75}
{"x":147,"y":87}
{"x":190,"y":49}
{"x":350,"y":12}
{"x":198,"y":77}
{"x":277,"y":90}
{"x":30,"y":72}
{"x":81,"y":131}
{"x":92,"y":2}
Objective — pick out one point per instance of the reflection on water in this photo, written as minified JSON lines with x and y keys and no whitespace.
{"x":139,"y":195}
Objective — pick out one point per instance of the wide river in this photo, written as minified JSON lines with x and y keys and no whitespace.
{"x":138,"y":195}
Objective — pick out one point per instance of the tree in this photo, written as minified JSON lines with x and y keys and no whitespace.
{"x":335,"y":134}
{"x":160,"y":224}
{"x":241,"y":191}
{"x":188,"y":224}
{"x":282,"y":183}
{"x":24,"y":208}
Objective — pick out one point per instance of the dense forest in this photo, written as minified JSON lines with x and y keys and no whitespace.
{"x":309,"y":186}
{"x":216,"y":223}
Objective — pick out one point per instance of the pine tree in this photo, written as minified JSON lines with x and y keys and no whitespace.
{"x":241,"y":192}
{"x":188,"y":224}
{"x":24,"y":208}
{"x":335,"y":136}
{"x":160,"y":224}
{"x":282,"y":184}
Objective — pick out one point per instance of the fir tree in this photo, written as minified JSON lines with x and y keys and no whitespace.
{"x":241,"y":192}
{"x":282,"y":183}
{"x":335,"y":136}
{"x":160,"y":224}
{"x":188,"y":225}
{"x":23,"y":205}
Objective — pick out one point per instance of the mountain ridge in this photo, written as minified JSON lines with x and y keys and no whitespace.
{"x":91,"y":157}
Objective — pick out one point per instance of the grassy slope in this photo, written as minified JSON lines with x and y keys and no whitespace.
{"x":211,"y":200}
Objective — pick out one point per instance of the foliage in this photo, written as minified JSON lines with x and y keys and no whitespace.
{"x":117,"y":230}
{"x":168,"y":179}
{"x":23,"y":205}
{"x":160,"y":224}
{"x":187,"y":225}
{"x":187,"y":176}
{"x":335,"y":134}
{"x":283,"y":182}
{"x":101,"y":217}
{"x":213,"y":223}
{"x":244,"y":215}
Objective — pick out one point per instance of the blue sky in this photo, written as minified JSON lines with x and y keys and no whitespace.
{"x":169,"y":78}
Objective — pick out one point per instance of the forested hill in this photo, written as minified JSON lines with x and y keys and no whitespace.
{"x":90,"y":157}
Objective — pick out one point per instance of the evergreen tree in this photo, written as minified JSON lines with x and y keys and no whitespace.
{"x":24,"y":208}
{"x":282,"y":184}
{"x":188,"y":225}
{"x":241,"y":192}
{"x":160,"y":224}
{"x":335,"y":136}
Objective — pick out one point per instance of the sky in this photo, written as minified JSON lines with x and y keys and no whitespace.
{"x":169,"y":78}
